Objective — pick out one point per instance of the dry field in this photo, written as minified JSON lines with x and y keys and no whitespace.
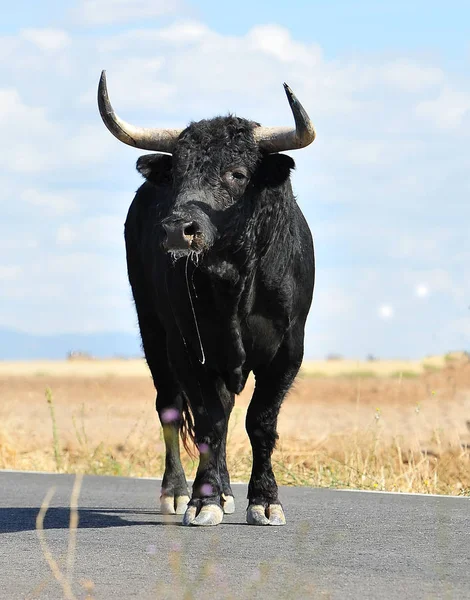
{"x":381,"y":425}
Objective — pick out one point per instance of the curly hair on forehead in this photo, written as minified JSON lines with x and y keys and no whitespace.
{"x":222,"y":141}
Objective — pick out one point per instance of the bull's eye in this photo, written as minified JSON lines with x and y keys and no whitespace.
{"x":236,"y":180}
{"x":237,"y":176}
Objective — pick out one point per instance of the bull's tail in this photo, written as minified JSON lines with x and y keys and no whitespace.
{"x":187,"y":432}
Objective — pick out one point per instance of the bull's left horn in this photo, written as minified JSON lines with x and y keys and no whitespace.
{"x":279,"y":139}
{"x":159,"y":140}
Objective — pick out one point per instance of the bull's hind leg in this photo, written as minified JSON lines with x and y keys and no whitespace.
{"x":169,"y":404}
{"x":272,"y":384}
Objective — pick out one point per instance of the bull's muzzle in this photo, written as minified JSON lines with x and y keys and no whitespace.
{"x":180,"y":234}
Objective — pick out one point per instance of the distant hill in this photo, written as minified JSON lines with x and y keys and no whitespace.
{"x":18,"y":345}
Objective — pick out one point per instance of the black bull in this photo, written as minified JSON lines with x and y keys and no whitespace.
{"x":221,"y":264}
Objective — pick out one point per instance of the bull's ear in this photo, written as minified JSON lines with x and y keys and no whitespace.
{"x":275,"y":169}
{"x":156,"y":168}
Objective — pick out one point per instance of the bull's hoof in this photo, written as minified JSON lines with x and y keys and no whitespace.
{"x":210,"y":514}
{"x":256,"y":514}
{"x":173,"y":505}
{"x":276,"y":515}
{"x":228,"y":504}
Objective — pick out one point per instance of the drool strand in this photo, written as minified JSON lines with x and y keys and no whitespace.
{"x":203,"y":359}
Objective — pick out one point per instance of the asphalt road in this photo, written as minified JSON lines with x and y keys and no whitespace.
{"x":336,"y":545}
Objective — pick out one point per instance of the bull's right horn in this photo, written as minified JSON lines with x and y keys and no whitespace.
{"x":159,"y":140}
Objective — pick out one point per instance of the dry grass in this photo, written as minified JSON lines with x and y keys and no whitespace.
{"x":385,"y":426}
{"x":85,"y":368}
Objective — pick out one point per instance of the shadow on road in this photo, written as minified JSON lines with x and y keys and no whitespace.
{"x":24,"y":519}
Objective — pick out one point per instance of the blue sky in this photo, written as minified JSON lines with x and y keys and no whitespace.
{"x":385,"y":187}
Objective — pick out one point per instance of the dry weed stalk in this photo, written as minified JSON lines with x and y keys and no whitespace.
{"x":65,"y":581}
{"x":55,"y":435}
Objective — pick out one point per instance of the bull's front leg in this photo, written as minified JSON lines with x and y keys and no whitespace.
{"x":211,"y":495}
{"x":272,"y":384}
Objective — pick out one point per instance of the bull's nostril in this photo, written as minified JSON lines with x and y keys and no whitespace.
{"x":190,"y":229}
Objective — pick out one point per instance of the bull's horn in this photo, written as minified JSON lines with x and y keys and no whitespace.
{"x":279,"y":139}
{"x":160,"y":140}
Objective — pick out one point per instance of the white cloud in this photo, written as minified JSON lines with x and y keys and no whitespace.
{"x":65,"y":235}
{"x":17,"y":116}
{"x":138,"y":74}
{"x":185,"y":32}
{"x":71,"y":291}
{"x":40,"y":143}
{"x":276,"y":41}
{"x":9,"y":272}
{"x":105,"y":230}
{"x":29,"y":132}
{"x":413,"y":246}
{"x":101,"y":231}
{"x":86,"y":146}
{"x":366,"y":152}
{"x":47,"y":39}
{"x":17,"y":243}
{"x":331,"y":301}
{"x":410,"y":76}
{"x":54,"y":203}
{"x":447,"y":110}
{"x":92,"y":12}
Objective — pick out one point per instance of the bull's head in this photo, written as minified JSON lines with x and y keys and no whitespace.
{"x":213,"y":164}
